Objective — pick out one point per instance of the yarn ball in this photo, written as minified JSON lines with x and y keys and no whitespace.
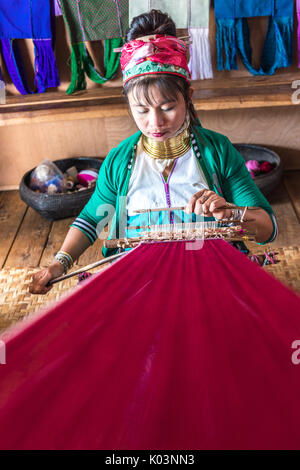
{"x":83,"y":276}
{"x":265,"y":167}
{"x":85,"y":177}
{"x":252,"y":165}
{"x":52,"y":189}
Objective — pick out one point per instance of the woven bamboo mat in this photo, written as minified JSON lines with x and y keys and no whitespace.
{"x":288,"y":268}
{"x":16,"y":302}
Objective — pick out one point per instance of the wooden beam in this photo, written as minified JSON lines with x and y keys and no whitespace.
{"x":209,"y":95}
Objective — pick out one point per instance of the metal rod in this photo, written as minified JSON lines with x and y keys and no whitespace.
{"x":85,"y":268}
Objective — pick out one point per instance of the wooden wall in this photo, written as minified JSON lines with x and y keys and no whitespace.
{"x":24,"y":146}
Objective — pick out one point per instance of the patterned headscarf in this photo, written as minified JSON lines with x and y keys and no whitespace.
{"x":154,"y":54}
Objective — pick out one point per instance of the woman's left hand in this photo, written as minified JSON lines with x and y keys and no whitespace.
{"x":206,"y":202}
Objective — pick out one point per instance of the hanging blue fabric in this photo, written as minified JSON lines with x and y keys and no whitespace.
{"x":28,"y":19}
{"x":233,"y":34}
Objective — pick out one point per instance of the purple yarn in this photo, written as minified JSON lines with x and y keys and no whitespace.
{"x":83,"y":276}
{"x":46,"y":74}
{"x":14,"y":66}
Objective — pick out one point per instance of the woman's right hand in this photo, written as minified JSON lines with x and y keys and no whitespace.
{"x":41,"y":278}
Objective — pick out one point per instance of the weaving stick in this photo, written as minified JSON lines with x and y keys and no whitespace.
{"x":181,"y":208}
{"x":131,"y":242}
{"x":222,"y":221}
{"x":85,"y":268}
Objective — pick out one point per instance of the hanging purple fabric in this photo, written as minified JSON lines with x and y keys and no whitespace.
{"x":57,"y":8}
{"x":28,"y":20}
{"x":298,"y":17}
{"x":11,"y":55}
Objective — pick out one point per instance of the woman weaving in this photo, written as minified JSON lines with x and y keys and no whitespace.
{"x":171,"y":162}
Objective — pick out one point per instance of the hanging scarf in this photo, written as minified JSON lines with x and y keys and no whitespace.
{"x":20,"y":20}
{"x":92,"y":20}
{"x":186,"y":14}
{"x":233,"y":33}
{"x":298,"y":17}
{"x":2,"y":89}
{"x":57,"y":8}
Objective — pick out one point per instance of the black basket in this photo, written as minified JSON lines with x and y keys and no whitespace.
{"x":62,"y":205}
{"x":268,"y":181}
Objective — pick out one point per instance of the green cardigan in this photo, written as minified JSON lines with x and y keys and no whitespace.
{"x":223,"y":167}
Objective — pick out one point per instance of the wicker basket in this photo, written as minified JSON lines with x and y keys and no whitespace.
{"x":268,"y":181}
{"x":59,"y":206}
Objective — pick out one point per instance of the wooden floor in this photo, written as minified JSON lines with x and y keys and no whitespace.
{"x":28,"y":240}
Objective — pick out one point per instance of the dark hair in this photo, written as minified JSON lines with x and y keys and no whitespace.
{"x":156,"y":22}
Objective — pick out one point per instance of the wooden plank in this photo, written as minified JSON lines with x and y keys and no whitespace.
{"x":109,"y":102}
{"x":30,"y":241}
{"x":292,"y":184}
{"x":50,"y":115}
{"x":12,"y":211}
{"x":288,"y":223}
{"x":55,"y":239}
{"x":213,"y":103}
{"x":113,"y":94}
{"x":92,"y":254}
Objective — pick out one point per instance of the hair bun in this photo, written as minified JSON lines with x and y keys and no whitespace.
{"x":154,"y":22}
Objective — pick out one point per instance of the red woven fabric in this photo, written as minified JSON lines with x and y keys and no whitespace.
{"x":166,"y":349}
{"x":162,"y":49}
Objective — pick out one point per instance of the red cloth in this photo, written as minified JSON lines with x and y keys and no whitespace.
{"x":167,"y":348}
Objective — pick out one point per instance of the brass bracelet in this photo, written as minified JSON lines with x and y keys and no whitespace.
{"x":65,"y":259}
{"x":67,"y":255}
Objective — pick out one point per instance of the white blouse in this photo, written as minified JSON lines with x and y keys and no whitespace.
{"x":148,"y":188}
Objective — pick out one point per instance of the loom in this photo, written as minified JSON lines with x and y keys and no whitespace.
{"x":187,"y":232}
{"x":230,"y":230}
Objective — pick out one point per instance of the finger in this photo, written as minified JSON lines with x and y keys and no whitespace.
{"x":206,"y":203}
{"x":201,"y":209}
{"x":190,"y":207}
{"x":215,"y":203}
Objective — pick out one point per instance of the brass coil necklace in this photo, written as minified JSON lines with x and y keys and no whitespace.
{"x":170,"y":149}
